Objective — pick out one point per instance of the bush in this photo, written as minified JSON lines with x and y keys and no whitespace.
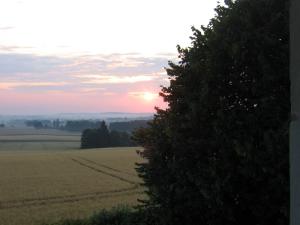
{"x":121,"y":215}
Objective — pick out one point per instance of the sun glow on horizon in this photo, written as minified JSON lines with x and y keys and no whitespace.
{"x":147,"y":96}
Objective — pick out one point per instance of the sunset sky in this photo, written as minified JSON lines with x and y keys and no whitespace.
{"x":59,"y":56}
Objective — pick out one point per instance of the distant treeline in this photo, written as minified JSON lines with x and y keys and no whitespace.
{"x":128,"y":126}
{"x":81,"y":125}
{"x":39,"y":124}
{"x":101,"y":137}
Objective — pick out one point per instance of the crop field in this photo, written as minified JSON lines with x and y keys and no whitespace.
{"x":47,"y":179}
{"x":29,"y":139}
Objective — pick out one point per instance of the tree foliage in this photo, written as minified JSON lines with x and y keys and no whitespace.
{"x":219,"y":153}
{"x":38,"y":124}
{"x":80,"y":125}
{"x":101,"y":137}
{"x":128,"y":126}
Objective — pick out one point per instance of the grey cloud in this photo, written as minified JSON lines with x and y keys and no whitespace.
{"x":25,"y":63}
{"x":12,"y":48}
{"x":119,"y":64}
{"x":72,"y":70}
{"x":7,"y":28}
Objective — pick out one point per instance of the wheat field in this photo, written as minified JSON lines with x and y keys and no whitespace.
{"x":49,"y":180}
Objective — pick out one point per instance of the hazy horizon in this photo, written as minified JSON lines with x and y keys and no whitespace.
{"x":77,"y":113}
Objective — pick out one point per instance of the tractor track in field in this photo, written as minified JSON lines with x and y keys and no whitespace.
{"x":69,"y":198}
{"x":134,"y":188}
{"x":103,"y":172}
{"x":107,"y":167}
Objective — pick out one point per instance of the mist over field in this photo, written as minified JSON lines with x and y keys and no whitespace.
{"x":108,"y":116}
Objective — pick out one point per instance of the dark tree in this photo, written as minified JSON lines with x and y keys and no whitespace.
{"x":80,"y":125}
{"x":219,"y":154}
{"x":128,"y":126}
{"x":56,"y":124}
{"x":85,"y":139}
{"x":115,"y":138}
{"x":101,"y":138}
{"x":38,"y":124}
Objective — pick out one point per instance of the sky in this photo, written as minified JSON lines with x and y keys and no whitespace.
{"x":63,"y":56}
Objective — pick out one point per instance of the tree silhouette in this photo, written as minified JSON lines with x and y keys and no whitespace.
{"x":219,"y":153}
{"x":101,"y":138}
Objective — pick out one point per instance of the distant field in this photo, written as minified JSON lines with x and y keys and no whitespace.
{"x":30,"y":131}
{"x":20,"y":139}
{"x":48,"y":180}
